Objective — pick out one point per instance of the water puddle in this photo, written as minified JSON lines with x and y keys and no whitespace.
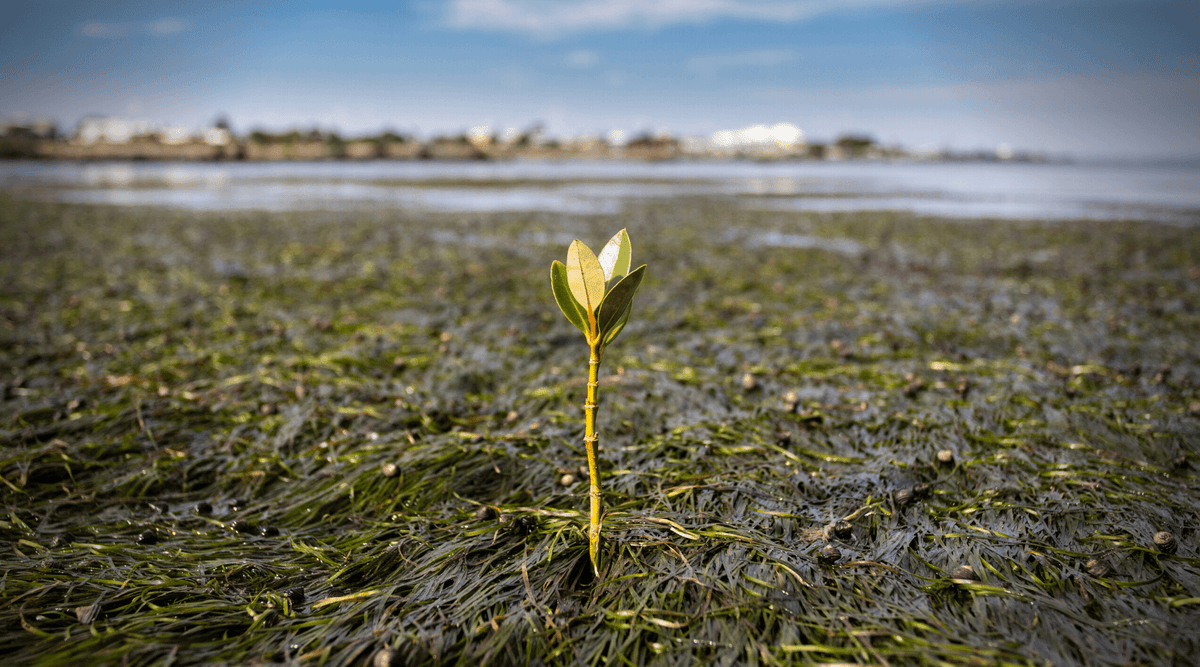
{"x":841,"y":246}
{"x":1002,"y":209}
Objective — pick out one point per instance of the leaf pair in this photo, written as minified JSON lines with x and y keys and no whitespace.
{"x":596,"y":293}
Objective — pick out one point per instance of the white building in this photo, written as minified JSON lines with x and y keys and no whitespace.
{"x":111,"y":130}
{"x":114,"y":130}
{"x":759,"y":140}
{"x":217,"y":136}
{"x":481,"y":136}
{"x":174,"y":135}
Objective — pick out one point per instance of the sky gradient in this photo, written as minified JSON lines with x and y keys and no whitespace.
{"x":1095,"y":78}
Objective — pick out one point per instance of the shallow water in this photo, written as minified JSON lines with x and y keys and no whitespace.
{"x":967,"y":190}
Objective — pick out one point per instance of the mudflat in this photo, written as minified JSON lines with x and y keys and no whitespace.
{"x":356,"y":437}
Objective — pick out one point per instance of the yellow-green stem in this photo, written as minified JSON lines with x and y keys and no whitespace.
{"x":590,"y":438}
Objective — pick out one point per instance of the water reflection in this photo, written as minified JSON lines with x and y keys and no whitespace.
{"x":970,"y":190}
{"x":324,"y":196}
{"x":1005,"y":209}
{"x":472,"y":240}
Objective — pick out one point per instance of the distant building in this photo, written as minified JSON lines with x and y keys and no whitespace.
{"x":481,"y":137}
{"x":586,"y":143}
{"x":174,"y":135}
{"x":105,"y":129}
{"x":217,"y":136}
{"x":116,"y":130}
{"x":778,"y":140}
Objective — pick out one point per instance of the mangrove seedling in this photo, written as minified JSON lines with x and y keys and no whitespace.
{"x":596,"y":294}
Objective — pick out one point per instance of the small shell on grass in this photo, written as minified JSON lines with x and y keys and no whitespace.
{"x":1098,"y":568}
{"x":1165,"y":542}
{"x":87,"y":614}
{"x":830,"y":554}
{"x":965,"y":572}
{"x":841,"y":530}
{"x":749,"y":382}
{"x":386,"y":657}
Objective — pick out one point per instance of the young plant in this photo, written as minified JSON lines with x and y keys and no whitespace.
{"x":596,"y":293}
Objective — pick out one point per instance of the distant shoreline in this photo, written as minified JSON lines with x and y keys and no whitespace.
{"x":452,"y":151}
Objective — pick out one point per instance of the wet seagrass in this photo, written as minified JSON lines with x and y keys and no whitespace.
{"x":179,"y":371}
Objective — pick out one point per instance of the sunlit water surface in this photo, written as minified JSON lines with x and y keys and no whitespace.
{"x":959,"y":190}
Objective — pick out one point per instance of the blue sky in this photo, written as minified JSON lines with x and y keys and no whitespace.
{"x":1089,"y":78}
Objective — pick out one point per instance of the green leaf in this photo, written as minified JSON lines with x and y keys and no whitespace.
{"x":616,"y":303}
{"x":616,"y":256}
{"x":566,"y":301}
{"x":616,"y":330}
{"x":585,"y":277}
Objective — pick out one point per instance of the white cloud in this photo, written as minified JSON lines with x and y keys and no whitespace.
{"x":105,"y":30}
{"x":712,"y":63}
{"x":511,"y":76}
{"x":160,"y":28}
{"x":583,"y":58}
{"x":1112,"y":113}
{"x":553,"y":18}
{"x":1178,"y":95}
{"x":170,"y":26}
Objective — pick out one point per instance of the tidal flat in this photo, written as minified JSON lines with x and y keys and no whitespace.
{"x":356,"y":437}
